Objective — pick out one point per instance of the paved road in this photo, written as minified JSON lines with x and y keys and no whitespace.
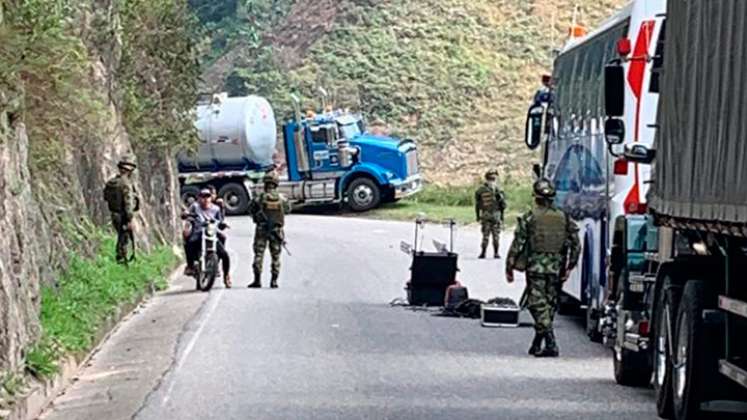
{"x":327,"y":345}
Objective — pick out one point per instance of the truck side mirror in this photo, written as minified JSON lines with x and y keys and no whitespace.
{"x":614,"y":90}
{"x":614,"y":131}
{"x":639,"y":153}
{"x":534,"y":126}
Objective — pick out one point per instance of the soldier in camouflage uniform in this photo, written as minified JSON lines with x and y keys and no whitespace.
{"x":546,"y":240}
{"x":490,"y":203}
{"x":122,"y":199}
{"x":268,"y":210}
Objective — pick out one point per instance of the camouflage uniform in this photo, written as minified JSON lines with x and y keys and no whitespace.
{"x":123,"y":201}
{"x":490,"y":204}
{"x":549,"y":241}
{"x":272,"y":206}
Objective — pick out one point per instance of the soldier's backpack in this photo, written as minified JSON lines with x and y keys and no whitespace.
{"x":114,"y":194}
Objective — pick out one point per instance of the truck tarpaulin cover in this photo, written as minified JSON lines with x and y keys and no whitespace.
{"x":701,"y":163}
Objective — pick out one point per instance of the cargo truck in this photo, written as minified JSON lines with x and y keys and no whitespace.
{"x":329,"y":158}
{"x":683,"y":312}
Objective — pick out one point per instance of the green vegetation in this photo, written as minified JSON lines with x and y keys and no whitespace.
{"x":437,"y":204}
{"x":455,"y":75}
{"x":89,"y":291}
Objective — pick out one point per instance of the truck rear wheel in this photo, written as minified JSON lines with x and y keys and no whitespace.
{"x":667,"y":299}
{"x":189,"y":194}
{"x":235,"y":197}
{"x":695,"y":355}
{"x":363,"y":195}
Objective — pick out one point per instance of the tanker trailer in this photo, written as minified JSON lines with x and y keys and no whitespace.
{"x":237,"y":141}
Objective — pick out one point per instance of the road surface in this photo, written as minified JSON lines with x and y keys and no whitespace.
{"x":327,"y":344}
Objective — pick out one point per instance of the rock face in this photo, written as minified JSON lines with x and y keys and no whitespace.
{"x":38,"y":218}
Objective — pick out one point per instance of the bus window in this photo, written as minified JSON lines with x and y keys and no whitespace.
{"x":654,"y":86}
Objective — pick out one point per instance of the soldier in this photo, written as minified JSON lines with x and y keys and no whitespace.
{"x":121,"y":197}
{"x":490,"y":203}
{"x":268,"y":210}
{"x":546,"y":240}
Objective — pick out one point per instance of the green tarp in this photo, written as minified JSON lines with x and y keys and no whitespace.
{"x":701,"y":165}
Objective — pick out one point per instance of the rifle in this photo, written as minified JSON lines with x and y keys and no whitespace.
{"x":269,"y":226}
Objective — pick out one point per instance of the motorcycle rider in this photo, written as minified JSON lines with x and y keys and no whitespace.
{"x":200,"y":212}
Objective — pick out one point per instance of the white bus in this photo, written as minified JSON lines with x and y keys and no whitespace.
{"x":595,"y":187}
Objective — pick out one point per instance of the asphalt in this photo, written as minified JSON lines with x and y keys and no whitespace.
{"x":328,"y":344}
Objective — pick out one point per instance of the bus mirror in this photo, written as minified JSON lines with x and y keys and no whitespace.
{"x":614,"y":131}
{"x":614,"y":90}
{"x":639,"y":153}
{"x":537,"y":170}
{"x":535,"y":123}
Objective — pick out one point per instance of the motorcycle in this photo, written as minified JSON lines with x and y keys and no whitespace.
{"x":208,"y":263}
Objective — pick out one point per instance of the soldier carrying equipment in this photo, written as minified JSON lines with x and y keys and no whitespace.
{"x":490,"y":204}
{"x":546,"y":244}
{"x":268,"y":210}
{"x":123,"y":202}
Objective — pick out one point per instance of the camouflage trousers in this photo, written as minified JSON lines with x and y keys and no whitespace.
{"x":491,"y":227}
{"x":123,"y":237}
{"x":261,"y":239}
{"x":542,"y":299}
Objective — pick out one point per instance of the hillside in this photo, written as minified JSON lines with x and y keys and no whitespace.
{"x":455,"y":75}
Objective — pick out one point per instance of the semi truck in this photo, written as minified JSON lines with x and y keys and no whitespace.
{"x":329,"y":158}
{"x":679,"y":308}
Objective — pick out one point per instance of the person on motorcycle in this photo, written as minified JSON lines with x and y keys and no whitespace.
{"x":199,"y":213}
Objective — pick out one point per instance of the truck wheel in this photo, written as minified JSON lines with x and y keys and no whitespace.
{"x":235,"y":198}
{"x":695,"y":358}
{"x":363,"y":194}
{"x":667,"y":299}
{"x":189,"y":194}
{"x":630,"y":368}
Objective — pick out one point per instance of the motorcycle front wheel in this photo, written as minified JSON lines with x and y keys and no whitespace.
{"x":207,"y":277}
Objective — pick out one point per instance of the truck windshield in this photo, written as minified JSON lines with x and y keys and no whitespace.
{"x":642,"y":235}
{"x":349,"y":131}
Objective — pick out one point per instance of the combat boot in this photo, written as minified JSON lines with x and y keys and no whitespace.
{"x":496,"y":255}
{"x":274,"y":282}
{"x":257,"y":282}
{"x":551,"y":348}
{"x":536,"y":344}
{"x":482,"y":254}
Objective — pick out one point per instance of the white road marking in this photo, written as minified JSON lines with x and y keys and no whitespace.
{"x":191,"y":344}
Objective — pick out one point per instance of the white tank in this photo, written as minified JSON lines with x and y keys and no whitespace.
{"x":235,"y":133}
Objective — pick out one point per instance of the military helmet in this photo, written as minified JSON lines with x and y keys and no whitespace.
{"x":271,"y":178}
{"x":127,"y":162}
{"x":544,"y":188}
{"x":491,"y":174}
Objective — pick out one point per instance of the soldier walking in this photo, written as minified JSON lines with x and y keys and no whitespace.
{"x":546,"y":245}
{"x":268,"y":210}
{"x":122,"y":198}
{"x":490,"y":203}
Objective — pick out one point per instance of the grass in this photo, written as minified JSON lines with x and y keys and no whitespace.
{"x":87,"y":293}
{"x":439,"y":203}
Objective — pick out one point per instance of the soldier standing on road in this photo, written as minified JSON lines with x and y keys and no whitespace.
{"x":490,"y":203}
{"x":546,"y":239}
{"x":268,"y":210}
{"x":121,"y":197}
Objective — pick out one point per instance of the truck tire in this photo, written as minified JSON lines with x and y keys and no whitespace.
{"x":696,"y":356}
{"x":630,"y":368}
{"x":667,"y":299}
{"x":363,"y":195}
{"x":189,"y":192}
{"x":235,"y":197}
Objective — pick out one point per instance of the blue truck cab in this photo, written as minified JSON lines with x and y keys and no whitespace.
{"x":331,"y":158}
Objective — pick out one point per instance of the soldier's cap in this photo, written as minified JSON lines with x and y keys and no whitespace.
{"x":544,"y":188}
{"x":127,"y":162}
{"x":493,"y":173}
{"x":205,"y":193}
